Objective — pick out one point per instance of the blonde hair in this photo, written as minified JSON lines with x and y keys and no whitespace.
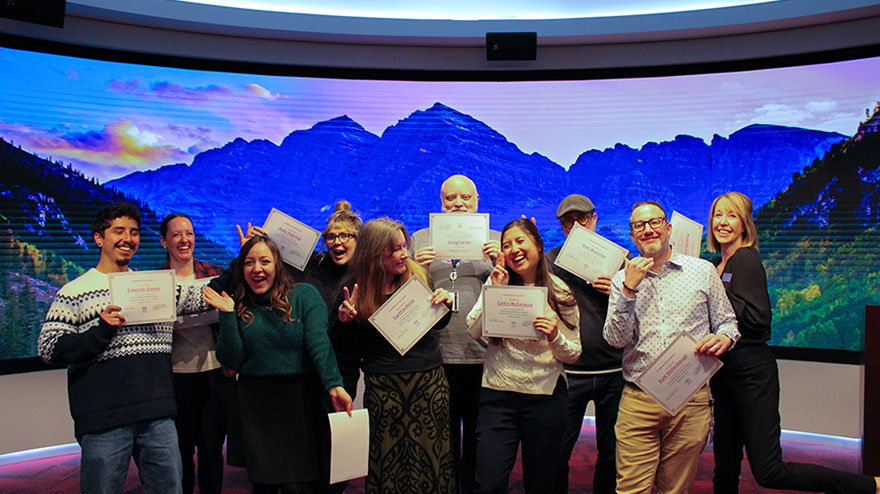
{"x":376,"y":236}
{"x":740,"y":204}
{"x":344,"y":218}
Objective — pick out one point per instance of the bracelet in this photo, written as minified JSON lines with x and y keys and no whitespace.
{"x":630,"y":289}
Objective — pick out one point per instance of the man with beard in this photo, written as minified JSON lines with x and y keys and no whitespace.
{"x":120,"y":385}
{"x":462,"y":356}
{"x":655,"y":297}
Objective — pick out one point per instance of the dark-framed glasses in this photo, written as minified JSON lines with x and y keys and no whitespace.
{"x":343,"y":237}
{"x":655,"y":223}
{"x":582,"y":219}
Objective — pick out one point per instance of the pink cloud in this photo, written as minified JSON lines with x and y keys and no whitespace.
{"x":120,"y":143}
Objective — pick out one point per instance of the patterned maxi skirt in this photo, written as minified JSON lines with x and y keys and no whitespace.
{"x":410,"y":448}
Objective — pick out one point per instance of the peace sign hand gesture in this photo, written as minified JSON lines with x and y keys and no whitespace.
{"x":347,"y":311}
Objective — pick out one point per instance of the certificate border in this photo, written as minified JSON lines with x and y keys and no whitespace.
{"x":462,"y":215}
{"x":172,"y":317}
{"x":538,"y":336}
{"x":638,"y":380}
{"x":575,"y":226}
{"x":397,"y":294}
{"x":676,"y":214}
{"x":312,"y":249}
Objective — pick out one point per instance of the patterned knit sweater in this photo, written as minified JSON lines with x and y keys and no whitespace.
{"x":115,"y":376}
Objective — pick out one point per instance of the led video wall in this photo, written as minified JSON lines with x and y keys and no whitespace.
{"x":225,"y":148}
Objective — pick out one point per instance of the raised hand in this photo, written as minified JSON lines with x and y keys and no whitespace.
{"x":220,"y":301}
{"x":635,"y":271}
{"x":425,"y":256}
{"x":492,"y":249}
{"x":441,"y":296}
{"x":112,"y":316}
{"x":347,"y":310}
{"x":499,"y":274}
{"x":252,"y":231}
{"x":603,"y":285}
{"x":546,"y":325}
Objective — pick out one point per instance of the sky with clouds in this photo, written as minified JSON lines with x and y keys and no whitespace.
{"x":110,"y":119}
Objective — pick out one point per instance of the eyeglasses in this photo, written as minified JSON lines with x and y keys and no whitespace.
{"x":582,"y":219}
{"x":343,"y":237}
{"x":638,"y":226}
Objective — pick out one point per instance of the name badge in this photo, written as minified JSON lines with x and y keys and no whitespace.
{"x":725,"y":277}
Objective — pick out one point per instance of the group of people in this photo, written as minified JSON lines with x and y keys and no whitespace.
{"x":285,"y":347}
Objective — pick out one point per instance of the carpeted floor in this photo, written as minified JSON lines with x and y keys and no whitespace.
{"x":60,"y":475}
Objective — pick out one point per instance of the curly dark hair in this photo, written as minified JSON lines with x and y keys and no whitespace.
{"x":109,"y":213}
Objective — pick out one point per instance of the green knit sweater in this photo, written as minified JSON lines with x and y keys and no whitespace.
{"x":269,"y":347}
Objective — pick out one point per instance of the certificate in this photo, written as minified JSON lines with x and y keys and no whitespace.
{"x":510,"y":311}
{"x":459,"y":235}
{"x":295,"y":239}
{"x":349,"y":445}
{"x":687,"y":235}
{"x":678,"y":373}
{"x":405,"y":317}
{"x":145,"y":296}
{"x":588,"y":255}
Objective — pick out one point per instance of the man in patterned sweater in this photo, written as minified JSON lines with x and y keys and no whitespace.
{"x":120,"y":385}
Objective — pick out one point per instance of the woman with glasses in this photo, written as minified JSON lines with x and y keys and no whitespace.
{"x":524,"y":397}
{"x":407,"y":395}
{"x":746,"y":388}
{"x":327,"y":270}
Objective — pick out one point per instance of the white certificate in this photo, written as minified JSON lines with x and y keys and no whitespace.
{"x":349,"y":445}
{"x":588,"y":255}
{"x":295,"y":239}
{"x":145,"y":296}
{"x":687,"y":235}
{"x":510,"y":311}
{"x":678,"y":373}
{"x":405,"y":317}
{"x":459,"y":235}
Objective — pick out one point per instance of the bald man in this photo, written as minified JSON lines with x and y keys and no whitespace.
{"x":462,"y":356}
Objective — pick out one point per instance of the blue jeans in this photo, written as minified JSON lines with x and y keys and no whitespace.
{"x":106,"y":456}
{"x":604,"y":390}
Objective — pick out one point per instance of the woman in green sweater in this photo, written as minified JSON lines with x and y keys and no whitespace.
{"x":274,"y":333}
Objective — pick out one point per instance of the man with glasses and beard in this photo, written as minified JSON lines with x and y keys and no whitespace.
{"x":655,"y":297}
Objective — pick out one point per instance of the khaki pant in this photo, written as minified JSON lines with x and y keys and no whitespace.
{"x":656,"y":448}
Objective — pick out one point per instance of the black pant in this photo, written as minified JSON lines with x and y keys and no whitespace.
{"x":604,"y":390}
{"x":507,"y":419}
{"x":746,"y":392}
{"x":465,"y":382}
{"x":201,"y":424}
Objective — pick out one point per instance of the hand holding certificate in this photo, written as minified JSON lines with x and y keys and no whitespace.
{"x":145,"y":296}
{"x":678,"y":373}
{"x":687,"y":235}
{"x":459,"y":235}
{"x":588,"y":255}
{"x":405,"y":317}
{"x":295,"y":239}
{"x":510,"y":311}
